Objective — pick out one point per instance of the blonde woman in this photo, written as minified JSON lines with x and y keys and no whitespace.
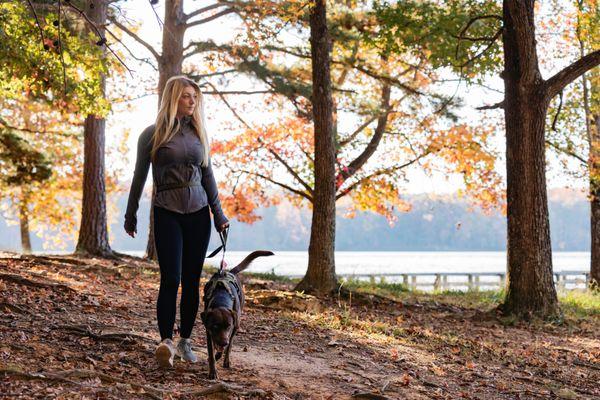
{"x":177,"y":146}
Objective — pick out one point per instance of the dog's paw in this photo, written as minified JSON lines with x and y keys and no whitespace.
{"x":218,"y":355}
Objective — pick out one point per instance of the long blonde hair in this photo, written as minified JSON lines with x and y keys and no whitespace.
{"x":167,"y":124}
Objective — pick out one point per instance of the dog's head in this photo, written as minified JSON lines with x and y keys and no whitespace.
{"x":219,"y":323}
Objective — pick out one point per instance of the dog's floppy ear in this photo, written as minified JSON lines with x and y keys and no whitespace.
{"x":236,"y":321}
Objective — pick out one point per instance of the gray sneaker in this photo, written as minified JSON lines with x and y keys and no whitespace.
{"x":184,"y":350}
{"x":165,"y":353}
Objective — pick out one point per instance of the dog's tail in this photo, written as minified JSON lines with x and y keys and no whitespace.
{"x":249,"y":258}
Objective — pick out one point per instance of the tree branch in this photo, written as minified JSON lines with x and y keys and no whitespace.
{"x":283,"y":185}
{"x":568,"y":152}
{"x":358,"y":130}
{"x":556,"y":83}
{"x":205,"y":9}
{"x":136,"y":38}
{"x":212,"y":17}
{"x":273,"y":152}
{"x":4,"y":123}
{"x":378,"y":173}
{"x":492,"y":106}
{"x":363,"y":157}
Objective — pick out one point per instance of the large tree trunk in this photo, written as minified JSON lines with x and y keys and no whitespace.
{"x":594,"y":171}
{"x":320,"y":277}
{"x":593,"y":139}
{"x":24,"y":221}
{"x":169,"y":65}
{"x":93,"y":232}
{"x":530,"y":287}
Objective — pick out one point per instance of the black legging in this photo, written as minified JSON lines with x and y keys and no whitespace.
{"x":181,"y":243}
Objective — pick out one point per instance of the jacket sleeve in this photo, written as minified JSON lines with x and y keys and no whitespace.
{"x":210,"y":186}
{"x":142,"y":165}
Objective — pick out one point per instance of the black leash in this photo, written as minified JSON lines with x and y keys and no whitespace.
{"x":223,"y":236}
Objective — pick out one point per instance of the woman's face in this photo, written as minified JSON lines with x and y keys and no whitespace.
{"x":187,"y":102}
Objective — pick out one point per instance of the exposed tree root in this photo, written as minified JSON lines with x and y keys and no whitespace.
{"x":13,"y":307}
{"x":150,"y":391}
{"x":34,"y":283}
{"x":369,"y":396}
{"x":112,"y":336}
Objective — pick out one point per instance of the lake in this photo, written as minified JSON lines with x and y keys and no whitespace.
{"x":294,"y":263}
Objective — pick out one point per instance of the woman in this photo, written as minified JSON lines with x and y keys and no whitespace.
{"x":177,"y":146}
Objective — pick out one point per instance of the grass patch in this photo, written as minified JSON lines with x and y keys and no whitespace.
{"x":371,"y":286}
{"x":580,"y":303}
{"x":272,"y":276}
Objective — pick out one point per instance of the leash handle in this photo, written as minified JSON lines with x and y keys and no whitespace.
{"x":223,"y":236}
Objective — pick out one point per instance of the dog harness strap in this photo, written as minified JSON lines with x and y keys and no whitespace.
{"x":226,"y":280}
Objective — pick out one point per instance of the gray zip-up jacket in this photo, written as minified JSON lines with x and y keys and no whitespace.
{"x":182,"y":184}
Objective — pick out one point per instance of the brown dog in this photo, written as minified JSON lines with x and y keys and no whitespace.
{"x":223,"y":305}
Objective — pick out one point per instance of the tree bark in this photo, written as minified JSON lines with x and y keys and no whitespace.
{"x":593,"y":140}
{"x":320,"y":277}
{"x":594,"y":171}
{"x":24,"y":221}
{"x":530,"y":287}
{"x":169,"y":64}
{"x":93,"y":232}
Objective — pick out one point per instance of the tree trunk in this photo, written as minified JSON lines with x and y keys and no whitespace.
{"x":593,"y":140}
{"x":170,"y":64}
{"x":93,"y":232}
{"x":24,"y":221}
{"x":530,"y":287}
{"x":594,"y":171}
{"x":320,"y":277}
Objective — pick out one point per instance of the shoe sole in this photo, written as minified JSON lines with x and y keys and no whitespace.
{"x":164,"y":356}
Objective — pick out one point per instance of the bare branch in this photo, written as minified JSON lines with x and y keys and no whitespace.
{"x":283,"y":185}
{"x":211,"y":18}
{"x":556,"y":83}
{"x":102,"y":39}
{"x":203,"y":76}
{"x":363,"y":157}
{"x":378,"y":173}
{"x":358,"y":130}
{"x":555,"y":119}
{"x":482,"y":52}
{"x":492,"y":106}
{"x":144,"y":60}
{"x":205,"y":9}
{"x":568,"y":152}
{"x":37,"y":21}
{"x":287,"y":166}
{"x":463,"y":31}
{"x":248,"y":92}
{"x":136,"y":38}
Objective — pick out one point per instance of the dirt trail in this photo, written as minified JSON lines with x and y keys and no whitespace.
{"x":86,"y":328}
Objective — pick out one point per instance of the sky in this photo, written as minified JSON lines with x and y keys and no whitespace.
{"x":134,"y":116}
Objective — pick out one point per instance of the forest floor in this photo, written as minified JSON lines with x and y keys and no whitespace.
{"x":81,"y":328}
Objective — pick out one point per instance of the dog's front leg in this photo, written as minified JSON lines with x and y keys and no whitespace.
{"x":212,"y":370}
{"x":228,"y":349}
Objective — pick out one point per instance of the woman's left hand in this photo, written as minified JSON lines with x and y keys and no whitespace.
{"x":223,"y":227}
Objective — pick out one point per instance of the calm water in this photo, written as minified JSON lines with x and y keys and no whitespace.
{"x":294,"y":263}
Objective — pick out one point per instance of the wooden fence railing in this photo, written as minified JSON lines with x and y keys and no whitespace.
{"x":470,"y":280}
